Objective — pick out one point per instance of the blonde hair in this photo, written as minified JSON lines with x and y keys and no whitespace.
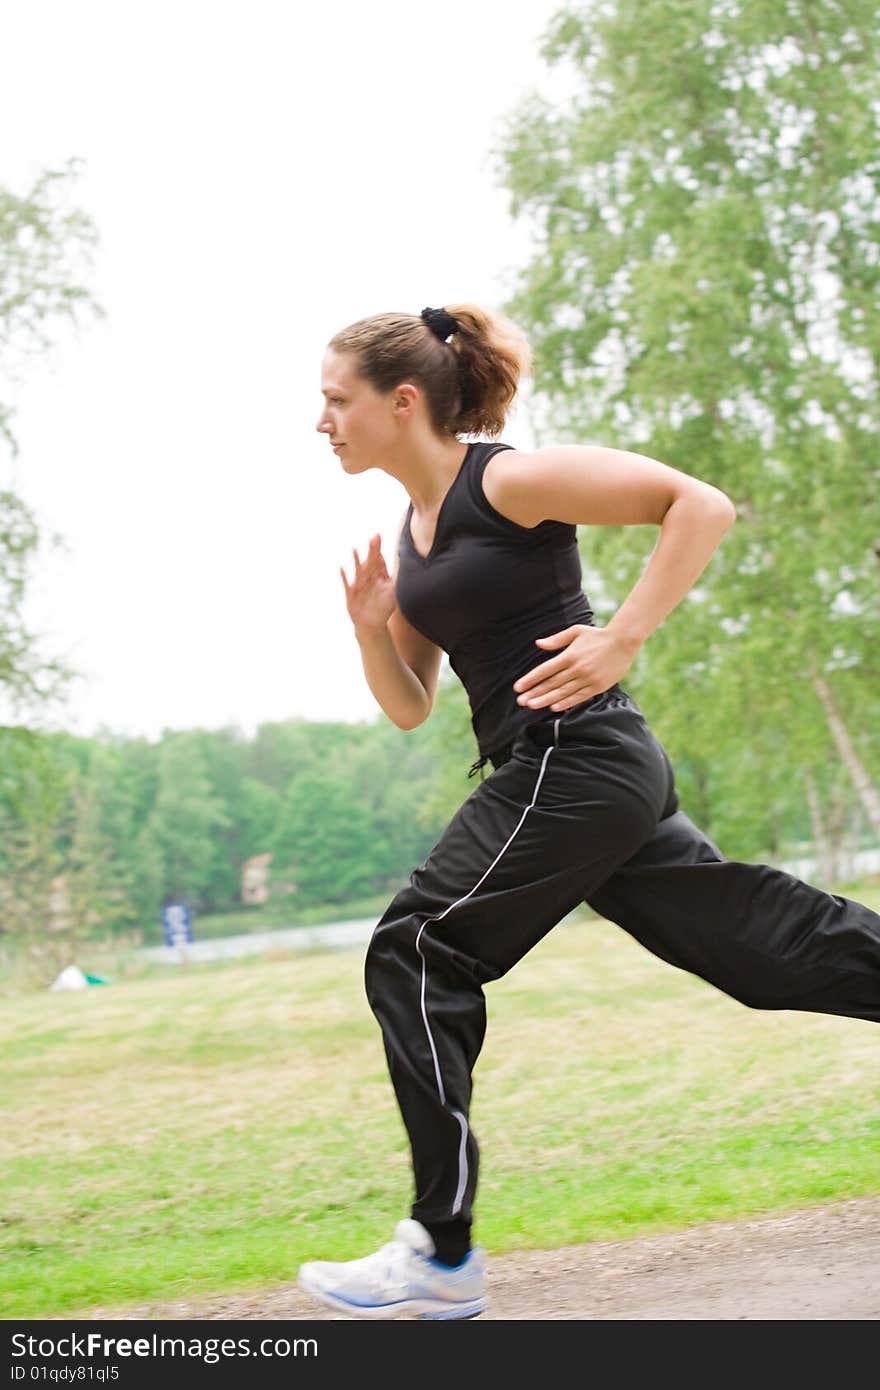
{"x":469,"y":381}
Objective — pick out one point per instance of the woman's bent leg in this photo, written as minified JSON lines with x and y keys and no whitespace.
{"x":575,"y":800}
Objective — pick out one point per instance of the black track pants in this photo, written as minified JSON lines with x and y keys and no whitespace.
{"x":583,"y":808}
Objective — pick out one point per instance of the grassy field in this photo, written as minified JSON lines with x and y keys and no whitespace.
{"x":208,"y":1128}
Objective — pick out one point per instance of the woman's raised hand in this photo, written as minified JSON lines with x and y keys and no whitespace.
{"x":370,"y":597}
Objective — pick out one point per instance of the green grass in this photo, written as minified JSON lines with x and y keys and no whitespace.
{"x":205,"y":1130}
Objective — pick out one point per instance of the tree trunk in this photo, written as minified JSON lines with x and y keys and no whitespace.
{"x":837,"y":829}
{"x":869,"y":795}
{"x":824,"y":866}
{"x":853,"y":842}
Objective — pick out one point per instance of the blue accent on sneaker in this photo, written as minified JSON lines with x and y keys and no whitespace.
{"x":438,"y":1264}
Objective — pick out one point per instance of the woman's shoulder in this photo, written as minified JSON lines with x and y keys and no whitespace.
{"x":502,"y":477}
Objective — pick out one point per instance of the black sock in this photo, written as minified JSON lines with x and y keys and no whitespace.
{"x":452,"y":1241}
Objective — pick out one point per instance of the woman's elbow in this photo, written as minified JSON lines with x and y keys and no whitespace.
{"x":407,"y":725}
{"x":412,"y":721}
{"x":722,"y":505}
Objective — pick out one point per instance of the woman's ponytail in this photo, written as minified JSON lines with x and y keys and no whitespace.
{"x":492,"y":356}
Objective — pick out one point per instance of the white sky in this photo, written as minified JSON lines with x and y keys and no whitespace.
{"x":261,"y":174}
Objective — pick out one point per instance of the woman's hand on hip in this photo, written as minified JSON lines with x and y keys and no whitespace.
{"x":370,"y":597}
{"x":589,"y":661}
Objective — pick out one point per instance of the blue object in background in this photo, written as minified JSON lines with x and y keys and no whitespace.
{"x":177,"y":923}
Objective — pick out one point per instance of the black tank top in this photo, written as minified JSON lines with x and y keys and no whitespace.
{"x":486,"y":589}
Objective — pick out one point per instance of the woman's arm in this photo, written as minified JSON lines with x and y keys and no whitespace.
{"x":587,"y":485}
{"x":416,"y":651}
{"x":401,"y":666}
{"x":610,"y":487}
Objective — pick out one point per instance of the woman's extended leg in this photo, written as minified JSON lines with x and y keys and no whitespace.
{"x":756,"y":932}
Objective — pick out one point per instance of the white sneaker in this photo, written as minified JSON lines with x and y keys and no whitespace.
{"x":400,"y":1280}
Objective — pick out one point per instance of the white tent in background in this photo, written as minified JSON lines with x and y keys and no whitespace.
{"x":71,"y":977}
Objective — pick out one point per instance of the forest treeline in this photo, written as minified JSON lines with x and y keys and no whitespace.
{"x":97,"y":833}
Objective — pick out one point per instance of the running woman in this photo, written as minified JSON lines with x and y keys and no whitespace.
{"x":581,"y":805}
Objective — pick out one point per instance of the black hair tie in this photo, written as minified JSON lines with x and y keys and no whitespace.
{"x":440,"y":323}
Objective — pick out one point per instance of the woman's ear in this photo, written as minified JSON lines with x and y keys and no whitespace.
{"x":406,"y":399}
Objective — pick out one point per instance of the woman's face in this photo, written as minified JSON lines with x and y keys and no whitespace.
{"x":360,"y":422}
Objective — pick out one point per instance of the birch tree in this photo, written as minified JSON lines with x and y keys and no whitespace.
{"x":701,"y":185}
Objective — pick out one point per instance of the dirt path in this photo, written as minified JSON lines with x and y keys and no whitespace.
{"x":821,"y":1264}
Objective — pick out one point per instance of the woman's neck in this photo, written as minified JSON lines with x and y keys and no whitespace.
{"x":429,"y":473}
